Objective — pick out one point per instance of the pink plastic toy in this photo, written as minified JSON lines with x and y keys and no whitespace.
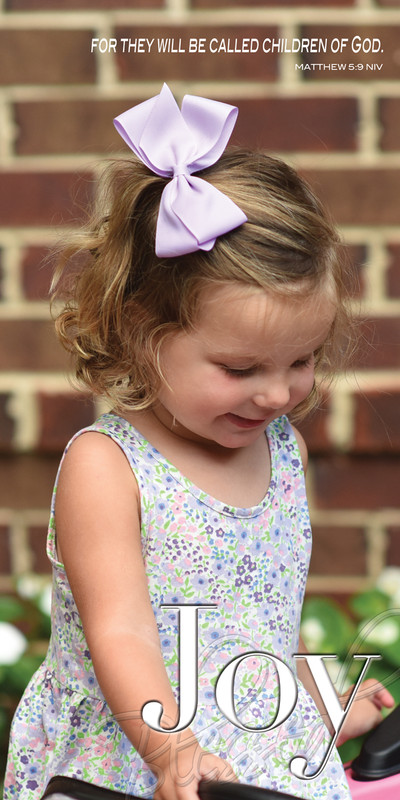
{"x":387,"y":788}
{"x":374,"y":774}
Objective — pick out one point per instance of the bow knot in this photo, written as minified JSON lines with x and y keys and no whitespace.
{"x":176,"y":143}
{"x":180,"y":169}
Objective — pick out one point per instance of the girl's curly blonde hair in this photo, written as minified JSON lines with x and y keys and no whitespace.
{"x":121,"y":301}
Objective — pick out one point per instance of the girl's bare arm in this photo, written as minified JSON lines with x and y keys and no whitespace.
{"x":98,"y":540}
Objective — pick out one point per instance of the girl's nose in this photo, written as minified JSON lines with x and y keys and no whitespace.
{"x":274,"y":393}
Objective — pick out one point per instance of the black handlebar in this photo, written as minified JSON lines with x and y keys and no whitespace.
{"x":379,"y":758}
{"x":224,"y":790}
{"x":73,"y":789}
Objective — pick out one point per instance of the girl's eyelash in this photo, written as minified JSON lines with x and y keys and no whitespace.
{"x":240,"y":373}
{"x":243,"y":372}
{"x":305,"y":362}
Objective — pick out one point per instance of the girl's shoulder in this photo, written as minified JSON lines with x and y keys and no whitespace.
{"x":302,"y":447}
{"x":99,"y":449}
{"x":113,"y":430}
{"x":107,"y":447}
{"x":282,"y":431}
{"x":95,"y":486}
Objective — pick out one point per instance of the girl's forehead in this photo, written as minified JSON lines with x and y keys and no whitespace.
{"x":238,"y":312}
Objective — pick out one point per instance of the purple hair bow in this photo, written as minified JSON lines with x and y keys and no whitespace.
{"x":175,"y":143}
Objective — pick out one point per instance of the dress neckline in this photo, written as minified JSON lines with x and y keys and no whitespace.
{"x":201,"y":495}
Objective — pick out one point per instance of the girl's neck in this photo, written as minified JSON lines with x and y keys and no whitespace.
{"x":236,"y":476}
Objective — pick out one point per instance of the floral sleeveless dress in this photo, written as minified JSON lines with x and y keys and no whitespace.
{"x":248,"y":566}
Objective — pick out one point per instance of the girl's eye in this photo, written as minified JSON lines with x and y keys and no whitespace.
{"x":302,"y":362}
{"x":237,"y":372}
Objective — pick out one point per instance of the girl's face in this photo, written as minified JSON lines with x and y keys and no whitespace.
{"x":249,"y":360}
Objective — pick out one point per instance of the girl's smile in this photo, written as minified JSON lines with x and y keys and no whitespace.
{"x":242,"y":422}
{"x":197,"y":301}
{"x":249,"y":359}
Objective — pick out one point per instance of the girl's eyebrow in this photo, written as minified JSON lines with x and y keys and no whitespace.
{"x":255,"y":357}
{"x":222,"y":355}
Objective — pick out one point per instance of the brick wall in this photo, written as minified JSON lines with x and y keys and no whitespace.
{"x":334,"y":114}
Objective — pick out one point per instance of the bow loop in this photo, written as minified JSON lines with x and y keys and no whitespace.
{"x":175,"y":144}
{"x":212,"y":124}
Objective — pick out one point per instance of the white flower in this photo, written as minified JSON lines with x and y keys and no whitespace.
{"x":12,"y":643}
{"x":37,"y":588}
{"x":29,"y":585}
{"x":44,"y":602}
{"x":385,"y":632}
{"x":312,"y":633}
{"x":389,"y":582}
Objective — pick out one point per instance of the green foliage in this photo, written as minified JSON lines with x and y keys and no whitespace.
{"x":369,"y":624}
{"x":24,"y":633}
{"x":368,"y":605}
{"x":11,"y":609}
{"x":337,"y":628}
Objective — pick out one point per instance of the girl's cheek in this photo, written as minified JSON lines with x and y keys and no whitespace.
{"x":310,"y":384}
{"x":306,"y":384}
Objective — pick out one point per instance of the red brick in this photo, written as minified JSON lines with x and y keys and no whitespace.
{"x":329,"y":544}
{"x":5,"y":559}
{"x":43,"y":198}
{"x":316,"y":124}
{"x":380,"y":344}
{"x":309,"y":124}
{"x":389,"y":117}
{"x":30,"y":345}
{"x":359,"y":197}
{"x":61,"y":416}
{"x":79,"y":5}
{"x":27,"y":481}
{"x":340,"y":598}
{"x":388,"y":57}
{"x":7,"y":424}
{"x":393,"y":551}
{"x":356,"y":257}
{"x":69,"y":126}
{"x":1,"y":275}
{"x":46,"y":57}
{"x":37,"y":536}
{"x":376,"y":420}
{"x":314,"y":428}
{"x":36,"y":273}
{"x":393,"y":272}
{"x":197,"y":66}
{"x":360,"y":482}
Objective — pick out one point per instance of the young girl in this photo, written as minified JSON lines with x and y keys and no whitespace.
{"x":203,"y":307}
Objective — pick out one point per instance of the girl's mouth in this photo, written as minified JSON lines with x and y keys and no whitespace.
{"x":244,"y":422}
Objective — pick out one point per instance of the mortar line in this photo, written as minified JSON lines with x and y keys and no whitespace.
{"x":74,"y":20}
{"x":301,"y":88}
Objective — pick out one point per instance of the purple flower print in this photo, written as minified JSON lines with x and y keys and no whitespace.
{"x":251,"y":565}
